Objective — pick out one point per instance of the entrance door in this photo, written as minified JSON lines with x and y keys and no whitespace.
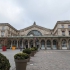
{"x":54,"y":44}
{"x":31,"y":43}
{"x":43,"y":47}
{"x":37,"y":43}
{"x":64,"y":45}
{"x":48,"y":44}
{"x":26,"y":44}
{"x":42,"y":44}
{"x":69,"y":44}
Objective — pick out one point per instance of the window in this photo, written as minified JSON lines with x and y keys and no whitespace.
{"x":2,"y":34}
{"x":68,"y":26}
{"x":34,"y":33}
{"x":69,"y":32}
{"x":62,"y":26}
{"x":63,"y":33}
{"x":63,"y":43}
{"x":3,"y":27}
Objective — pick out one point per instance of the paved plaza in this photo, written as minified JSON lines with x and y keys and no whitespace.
{"x":44,"y":60}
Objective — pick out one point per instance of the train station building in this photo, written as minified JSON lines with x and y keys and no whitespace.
{"x":36,"y":36}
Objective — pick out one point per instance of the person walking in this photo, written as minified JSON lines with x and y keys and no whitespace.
{"x":20,"y":48}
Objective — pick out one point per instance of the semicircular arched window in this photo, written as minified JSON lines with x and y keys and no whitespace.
{"x":34,"y":33}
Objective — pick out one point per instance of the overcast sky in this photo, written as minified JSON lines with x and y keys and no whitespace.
{"x":22,"y":13}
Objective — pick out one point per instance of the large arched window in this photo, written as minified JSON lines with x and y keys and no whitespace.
{"x":34,"y":33}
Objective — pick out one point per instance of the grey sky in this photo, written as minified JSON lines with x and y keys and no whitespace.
{"x":22,"y":13}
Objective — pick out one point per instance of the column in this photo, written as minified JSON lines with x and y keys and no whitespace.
{"x":60,"y":45}
{"x":28,"y":44}
{"x":57,"y":45}
{"x":17,"y":43}
{"x":11,"y":44}
{"x":67,"y":45}
{"x":39,"y":44}
{"x":22,"y":44}
{"x":45,"y":45}
{"x":51,"y":44}
{"x":34,"y":43}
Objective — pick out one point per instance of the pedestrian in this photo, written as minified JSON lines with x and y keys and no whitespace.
{"x":20,"y":48}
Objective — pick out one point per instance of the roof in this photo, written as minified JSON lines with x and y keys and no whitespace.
{"x":7,"y":24}
{"x":34,"y":25}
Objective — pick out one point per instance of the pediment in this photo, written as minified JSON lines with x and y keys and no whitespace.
{"x":35,"y":26}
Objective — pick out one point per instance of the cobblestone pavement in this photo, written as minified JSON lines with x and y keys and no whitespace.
{"x":45,"y":60}
{"x":50,"y":60}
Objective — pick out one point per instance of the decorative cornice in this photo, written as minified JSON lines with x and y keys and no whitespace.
{"x":7,"y":24}
{"x":37,"y":37}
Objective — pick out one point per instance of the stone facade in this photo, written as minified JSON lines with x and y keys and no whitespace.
{"x":34,"y":35}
